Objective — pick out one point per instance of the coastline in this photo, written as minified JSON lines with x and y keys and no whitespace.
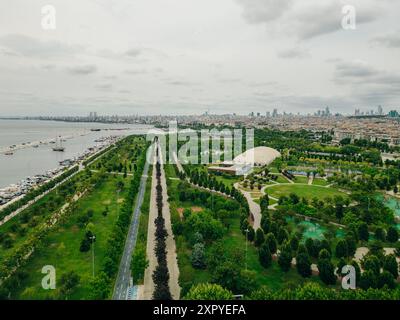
{"x":109,"y":141}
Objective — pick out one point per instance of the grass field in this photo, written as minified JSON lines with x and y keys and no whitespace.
{"x":305,"y":191}
{"x":301,"y":179}
{"x":320,"y":182}
{"x":61,"y":248}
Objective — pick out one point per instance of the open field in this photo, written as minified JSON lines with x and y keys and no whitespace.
{"x":320,"y":182}
{"x":303,"y":190}
{"x":63,"y":243}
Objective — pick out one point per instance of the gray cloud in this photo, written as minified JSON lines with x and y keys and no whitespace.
{"x":294,"y":53}
{"x":388,"y":40}
{"x":104,"y":87}
{"x":135,"y":52}
{"x":82,"y":70}
{"x":182,"y":83}
{"x":261,"y":11}
{"x":354,"y":69}
{"x":134,"y":72}
{"x":30,"y":47}
{"x":308,"y":20}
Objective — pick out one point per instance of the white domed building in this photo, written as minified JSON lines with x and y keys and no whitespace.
{"x":257,"y":157}
{"x":243,"y":163}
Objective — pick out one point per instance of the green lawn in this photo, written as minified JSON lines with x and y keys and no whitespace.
{"x":61,"y":247}
{"x":281,"y":179}
{"x":301,"y":179}
{"x":320,"y":182}
{"x":305,"y":191}
{"x":227,"y":181}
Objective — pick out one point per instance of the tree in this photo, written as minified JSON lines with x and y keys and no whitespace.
{"x":372,"y":263}
{"x":85,"y":245}
{"x":264,"y":255}
{"x":294,"y":243}
{"x":251,"y":234}
{"x":324,"y":254}
{"x":363,"y":233}
{"x":69,"y":281}
{"x":392,"y":235}
{"x":390,"y":264}
{"x":207,"y":291}
{"x":368,"y":280}
{"x":351,"y":246}
{"x":139,"y":263}
{"x":303,"y":265}
{"x":285,"y":257}
{"x":271,"y":242}
{"x":326,"y":271}
{"x":341,"y":249}
{"x":265,"y":223}
{"x":311,"y":248}
{"x":386,"y":279}
{"x":246,"y":283}
{"x":227,"y":274}
{"x":259,"y":238}
{"x":282,"y":235}
{"x":198,"y":256}
{"x":380,"y":234}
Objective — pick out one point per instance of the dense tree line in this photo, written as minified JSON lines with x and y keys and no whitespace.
{"x":161,"y":272}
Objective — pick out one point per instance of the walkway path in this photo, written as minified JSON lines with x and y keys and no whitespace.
{"x":254,"y":207}
{"x":146,"y":291}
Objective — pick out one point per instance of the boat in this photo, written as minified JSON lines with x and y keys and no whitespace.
{"x":59,"y":147}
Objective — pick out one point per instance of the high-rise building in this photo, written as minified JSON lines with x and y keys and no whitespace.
{"x":275,"y":113}
{"x":327,"y":111}
{"x":380,"y":110}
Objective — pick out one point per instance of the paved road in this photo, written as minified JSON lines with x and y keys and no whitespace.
{"x":147,"y":290}
{"x":122,"y":284}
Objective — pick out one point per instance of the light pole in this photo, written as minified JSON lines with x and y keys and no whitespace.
{"x":93,"y":237}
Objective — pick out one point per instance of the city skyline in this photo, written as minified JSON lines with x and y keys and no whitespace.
{"x":237,"y":56}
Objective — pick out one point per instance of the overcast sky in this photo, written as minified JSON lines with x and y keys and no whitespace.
{"x":189,"y":56}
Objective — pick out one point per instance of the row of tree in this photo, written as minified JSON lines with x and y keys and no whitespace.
{"x":161,"y":272}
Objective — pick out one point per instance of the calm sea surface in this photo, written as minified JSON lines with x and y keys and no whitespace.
{"x":31,"y":161}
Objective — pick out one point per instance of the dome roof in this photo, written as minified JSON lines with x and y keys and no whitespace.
{"x":259,"y":156}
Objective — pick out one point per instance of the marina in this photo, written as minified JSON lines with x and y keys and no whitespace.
{"x":28,"y":157}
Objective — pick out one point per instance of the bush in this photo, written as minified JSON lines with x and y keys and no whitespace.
{"x":198,"y":256}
